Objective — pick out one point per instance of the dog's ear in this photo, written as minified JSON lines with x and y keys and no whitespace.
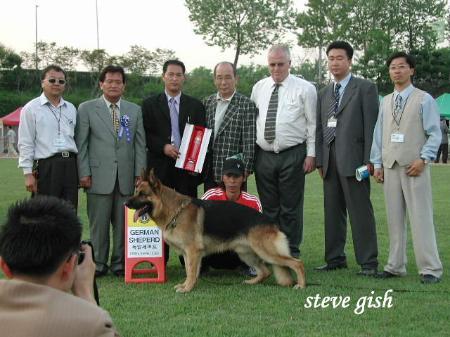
{"x":154,"y":182}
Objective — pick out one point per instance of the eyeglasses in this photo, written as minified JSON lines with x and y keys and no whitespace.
{"x":58,"y":81}
{"x":399,"y":67}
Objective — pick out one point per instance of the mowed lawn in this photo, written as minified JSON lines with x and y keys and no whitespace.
{"x":221,"y":305}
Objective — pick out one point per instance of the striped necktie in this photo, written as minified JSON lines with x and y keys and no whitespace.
{"x":271,"y":117}
{"x":330,"y":132}
{"x":115,"y":116}
{"x":398,"y":109}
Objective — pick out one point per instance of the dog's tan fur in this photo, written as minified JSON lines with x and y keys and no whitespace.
{"x":263,"y":243}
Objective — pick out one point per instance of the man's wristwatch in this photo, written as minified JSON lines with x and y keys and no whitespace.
{"x":424,"y":161}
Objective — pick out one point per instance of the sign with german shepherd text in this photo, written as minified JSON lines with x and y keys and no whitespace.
{"x":144,"y":238}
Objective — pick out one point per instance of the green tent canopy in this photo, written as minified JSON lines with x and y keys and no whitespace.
{"x":443,"y":102}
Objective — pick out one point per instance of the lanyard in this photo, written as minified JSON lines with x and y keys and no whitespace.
{"x":57,"y":119}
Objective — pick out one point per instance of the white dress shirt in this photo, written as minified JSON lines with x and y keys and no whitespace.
{"x":221,"y":108}
{"x":296,"y":116}
{"x":41,"y":124}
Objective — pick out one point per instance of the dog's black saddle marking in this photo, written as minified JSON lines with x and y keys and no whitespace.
{"x":227,"y":219}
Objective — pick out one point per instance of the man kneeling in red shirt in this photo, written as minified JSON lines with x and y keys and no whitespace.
{"x":230,"y":189}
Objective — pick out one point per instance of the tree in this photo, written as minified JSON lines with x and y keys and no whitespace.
{"x":322,"y":22}
{"x":375,"y":28}
{"x":141,"y":61}
{"x":246,"y":25}
{"x":9,"y":59}
{"x":198,"y":82}
{"x":416,"y":19}
{"x":95,"y":61}
{"x":50,"y":53}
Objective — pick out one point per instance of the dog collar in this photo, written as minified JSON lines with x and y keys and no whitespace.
{"x":172,"y":223}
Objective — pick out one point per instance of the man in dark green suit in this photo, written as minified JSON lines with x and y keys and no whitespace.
{"x":111,"y":142}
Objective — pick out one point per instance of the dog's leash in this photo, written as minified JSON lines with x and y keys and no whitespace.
{"x":172,"y":223}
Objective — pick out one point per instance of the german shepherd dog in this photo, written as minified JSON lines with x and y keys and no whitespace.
{"x":197,"y":228}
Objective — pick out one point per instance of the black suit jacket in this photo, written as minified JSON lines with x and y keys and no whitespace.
{"x":357,"y":115}
{"x":156,"y":118}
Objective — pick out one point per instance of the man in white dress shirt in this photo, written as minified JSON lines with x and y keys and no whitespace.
{"x":285,"y":138}
{"x":46,"y":140}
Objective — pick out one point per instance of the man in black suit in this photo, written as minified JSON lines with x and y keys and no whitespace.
{"x":160,"y":113}
{"x":165,"y":115}
{"x":347,"y":111}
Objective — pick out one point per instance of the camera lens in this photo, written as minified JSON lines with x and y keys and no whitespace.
{"x":81,"y":257}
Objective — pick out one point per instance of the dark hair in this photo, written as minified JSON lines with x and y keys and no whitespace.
{"x":39,"y":234}
{"x":112,"y":69}
{"x":409,"y":59}
{"x":173,"y":62}
{"x":225,"y":62}
{"x":50,"y":68}
{"x":341,"y":45}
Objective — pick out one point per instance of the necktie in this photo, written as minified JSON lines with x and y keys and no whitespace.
{"x":176,"y":139}
{"x":330,"y":132}
{"x":115,"y":117}
{"x":271,"y":117}
{"x":398,"y":109}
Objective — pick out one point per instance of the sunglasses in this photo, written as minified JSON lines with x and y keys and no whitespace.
{"x":54,"y":80}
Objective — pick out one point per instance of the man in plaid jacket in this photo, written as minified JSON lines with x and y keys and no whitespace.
{"x":232,"y":117}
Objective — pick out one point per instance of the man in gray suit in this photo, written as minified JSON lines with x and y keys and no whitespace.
{"x":347,"y":111}
{"x":111,"y":142}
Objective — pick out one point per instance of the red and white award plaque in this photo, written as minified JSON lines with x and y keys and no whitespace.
{"x":193,"y":148}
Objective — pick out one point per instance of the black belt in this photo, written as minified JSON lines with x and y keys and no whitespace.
{"x":284,"y":150}
{"x":63,"y":154}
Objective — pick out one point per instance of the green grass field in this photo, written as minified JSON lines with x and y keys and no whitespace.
{"x":221,"y":305}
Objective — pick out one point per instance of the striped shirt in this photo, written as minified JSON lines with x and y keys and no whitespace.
{"x":245,"y":198}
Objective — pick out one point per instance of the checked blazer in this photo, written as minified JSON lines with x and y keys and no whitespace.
{"x":236,"y":134}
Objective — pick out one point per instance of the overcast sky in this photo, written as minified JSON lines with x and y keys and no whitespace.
{"x":148,"y":23}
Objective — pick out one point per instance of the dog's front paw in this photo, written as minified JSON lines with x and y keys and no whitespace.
{"x":178,"y":286}
{"x":184,"y":289}
{"x":298,"y":286}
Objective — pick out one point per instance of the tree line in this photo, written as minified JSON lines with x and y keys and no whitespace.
{"x":375,"y":28}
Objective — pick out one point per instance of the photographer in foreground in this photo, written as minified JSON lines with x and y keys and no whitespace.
{"x":48,"y":292}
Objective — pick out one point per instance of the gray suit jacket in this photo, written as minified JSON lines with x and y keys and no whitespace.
{"x":237,"y":133}
{"x":101,"y":154}
{"x":357,"y":115}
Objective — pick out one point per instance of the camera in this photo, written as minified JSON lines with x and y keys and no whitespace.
{"x":81,"y":259}
{"x":82,"y":253}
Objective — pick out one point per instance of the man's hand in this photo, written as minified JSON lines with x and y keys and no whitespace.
{"x":320,"y":170}
{"x":416,"y":168}
{"x":171,"y":151}
{"x":370,"y":168}
{"x":309,"y":164}
{"x":137,"y":181}
{"x":378,"y":174}
{"x":30,"y":183}
{"x":86,"y":182}
{"x":84,"y":276}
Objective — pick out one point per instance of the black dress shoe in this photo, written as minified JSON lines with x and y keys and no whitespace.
{"x":332,"y":266}
{"x":119,"y":273}
{"x":368,"y":272}
{"x":100,"y":273}
{"x":385,"y":275}
{"x":429,"y":279}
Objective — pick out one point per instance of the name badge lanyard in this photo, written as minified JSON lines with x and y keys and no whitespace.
{"x":397,"y":122}
{"x":57,"y":119}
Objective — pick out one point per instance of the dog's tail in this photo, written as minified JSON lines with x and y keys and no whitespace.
{"x":283,"y":275}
